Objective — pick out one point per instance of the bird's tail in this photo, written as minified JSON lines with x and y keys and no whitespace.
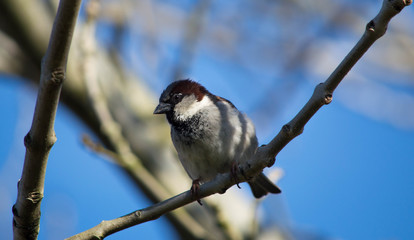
{"x":261,"y":185}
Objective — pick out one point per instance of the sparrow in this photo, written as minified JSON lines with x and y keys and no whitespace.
{"x":210,"y":135}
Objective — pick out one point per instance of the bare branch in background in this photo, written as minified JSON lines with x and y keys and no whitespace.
{"x":265,"y":156}
{"x":41,"y":137}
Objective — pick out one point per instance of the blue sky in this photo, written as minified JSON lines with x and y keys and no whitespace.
{"x":348,"y":176}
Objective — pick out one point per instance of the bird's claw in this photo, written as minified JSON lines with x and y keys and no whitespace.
{"x":194,"y":190}
{"x":233,"y":171}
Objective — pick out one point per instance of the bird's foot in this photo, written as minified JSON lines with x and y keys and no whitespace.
{"x":194,"y":190}
{"x":233,"y":172}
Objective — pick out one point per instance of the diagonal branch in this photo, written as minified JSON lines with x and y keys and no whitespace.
{"x":322,"y":95}
{"x":41,"y":137}
{"x":265,"y":155}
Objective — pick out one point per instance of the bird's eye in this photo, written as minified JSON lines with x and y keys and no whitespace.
{"x":176,"y":98}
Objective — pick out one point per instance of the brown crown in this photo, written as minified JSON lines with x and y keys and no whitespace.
{"x":188,"y":87}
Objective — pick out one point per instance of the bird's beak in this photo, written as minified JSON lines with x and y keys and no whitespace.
{"x":162,"y":108}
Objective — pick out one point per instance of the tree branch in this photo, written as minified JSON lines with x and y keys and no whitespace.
{"x":41,"y":137}
{"x":265,"y":155}
{"x":322,"y":95}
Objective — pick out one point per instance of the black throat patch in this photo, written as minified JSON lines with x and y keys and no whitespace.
{"x":189,"y":129}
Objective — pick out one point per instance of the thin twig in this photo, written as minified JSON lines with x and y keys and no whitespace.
{"x":100,"y":149}
{"x":41,"y":137}
{"x":265,"y":155}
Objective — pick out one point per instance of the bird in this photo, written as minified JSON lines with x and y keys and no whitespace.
{"x":210,"y":134}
